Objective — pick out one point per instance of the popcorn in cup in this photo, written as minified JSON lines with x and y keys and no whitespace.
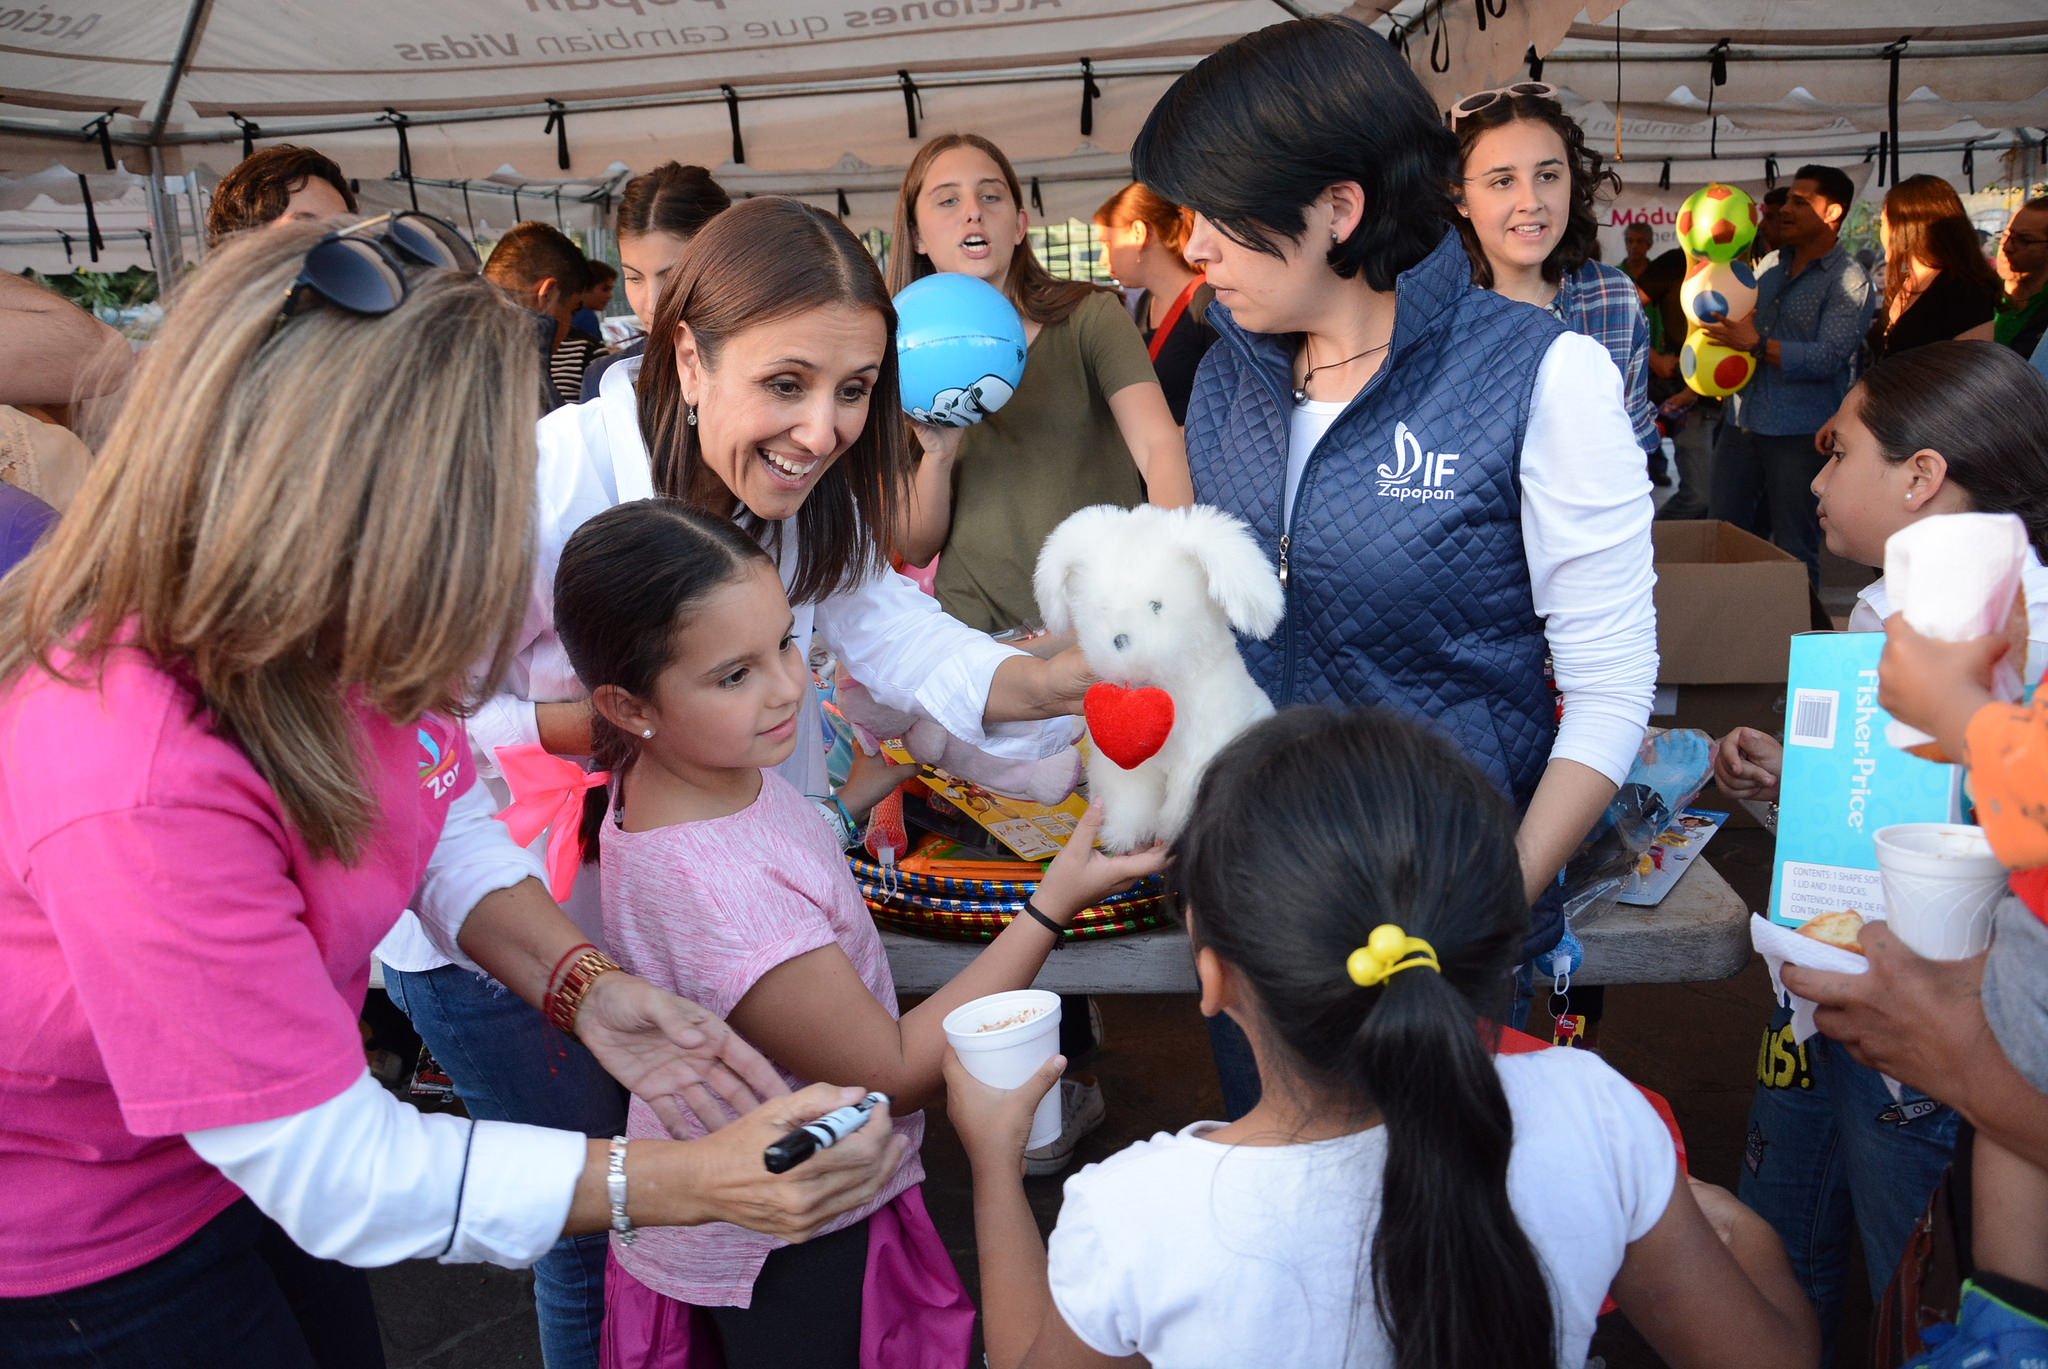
{"x":1941,"y":886}
{"x":1003,"y":1039}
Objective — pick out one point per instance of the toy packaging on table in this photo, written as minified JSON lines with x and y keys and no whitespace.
{"x":1671,"y":767}
{"x":963,"y":879}
{"x":1659,"y":867}
{"x":1842,"y":781}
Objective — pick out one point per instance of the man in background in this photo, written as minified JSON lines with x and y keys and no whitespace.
{"x":1813,"y":306}
{"x":1635,"y":246}
{"x":1763,"y":247}
{"x":2022,"y":262}
{"x":278,"y":185}
{"x":544,"y":271}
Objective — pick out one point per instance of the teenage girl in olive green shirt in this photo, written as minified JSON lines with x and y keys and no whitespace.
{"x":1088,"y":424}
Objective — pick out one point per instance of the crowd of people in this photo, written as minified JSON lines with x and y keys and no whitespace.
{"x":378,"y":537}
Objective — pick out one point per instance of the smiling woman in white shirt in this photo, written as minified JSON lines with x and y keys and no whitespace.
{"x":767,"y":394}
{"x":230,"y":755}
{"x":1447,"y":481}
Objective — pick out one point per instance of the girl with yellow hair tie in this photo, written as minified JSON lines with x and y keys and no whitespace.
{"x":1400,"y":1195}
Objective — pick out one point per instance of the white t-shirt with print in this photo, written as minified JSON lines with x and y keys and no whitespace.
{"x":1193,"y":1253}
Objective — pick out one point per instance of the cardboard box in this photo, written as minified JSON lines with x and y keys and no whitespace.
{"x":1842,"y":782}
{"x":1728,"y":606}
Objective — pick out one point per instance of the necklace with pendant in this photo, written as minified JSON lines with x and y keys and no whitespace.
{"x":1301,"y":390}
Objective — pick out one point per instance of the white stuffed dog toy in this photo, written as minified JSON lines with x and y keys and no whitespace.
{"x":1153,"y":596}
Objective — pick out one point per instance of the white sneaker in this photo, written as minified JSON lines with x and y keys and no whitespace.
{"x":1081,"y":1112}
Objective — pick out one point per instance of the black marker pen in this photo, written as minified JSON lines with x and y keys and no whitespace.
{"x":806,"y":1141}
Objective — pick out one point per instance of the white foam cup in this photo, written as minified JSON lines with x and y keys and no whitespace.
{"x":1941,"y":886}
{"x":1006,"y":1056}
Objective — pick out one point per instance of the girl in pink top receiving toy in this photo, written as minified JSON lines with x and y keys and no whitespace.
{"x":718,"y":875}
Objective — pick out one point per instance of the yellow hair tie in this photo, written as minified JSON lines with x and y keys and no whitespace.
{"x":1386,"y":953}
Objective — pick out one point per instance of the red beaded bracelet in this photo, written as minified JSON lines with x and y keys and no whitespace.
{"x":567,"y":956}
{"x":566,"y":1000}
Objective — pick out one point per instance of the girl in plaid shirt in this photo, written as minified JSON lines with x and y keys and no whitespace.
{"x":1526,"y":214}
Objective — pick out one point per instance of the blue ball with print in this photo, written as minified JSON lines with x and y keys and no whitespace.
{"x":1717,"y":291}
{"x":959,"y":349}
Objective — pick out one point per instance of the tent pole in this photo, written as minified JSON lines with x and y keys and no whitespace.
{"x":198,"y":220}
{"x":163,"y":219}
{"x":195,"y":21}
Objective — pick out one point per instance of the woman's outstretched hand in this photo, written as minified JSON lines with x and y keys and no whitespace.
{"x":673,"y":1054}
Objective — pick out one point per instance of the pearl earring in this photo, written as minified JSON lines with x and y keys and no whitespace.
{"x":691,"y":418}
{"x":647,"y":732}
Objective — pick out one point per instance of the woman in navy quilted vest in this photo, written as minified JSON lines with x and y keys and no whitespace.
{"x":1447,"y":480}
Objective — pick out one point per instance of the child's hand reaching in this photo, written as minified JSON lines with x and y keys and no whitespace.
{"x":1080,"y":875}
{"x":993,"y":1123}
{"x":870,"y":780}
{"x":1747,"y":764}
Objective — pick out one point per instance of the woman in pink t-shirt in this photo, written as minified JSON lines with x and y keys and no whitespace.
{"x":228,"y":760}
{"x":720,"y":882}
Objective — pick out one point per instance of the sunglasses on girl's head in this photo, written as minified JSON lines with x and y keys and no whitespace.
{"x":1472,"y":104}
{"x":362,"y":268}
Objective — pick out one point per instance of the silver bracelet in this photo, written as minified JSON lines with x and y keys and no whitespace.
{"x":615,"y":1189}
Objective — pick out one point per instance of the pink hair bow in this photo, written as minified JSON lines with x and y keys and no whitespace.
{"x":547,"y":796}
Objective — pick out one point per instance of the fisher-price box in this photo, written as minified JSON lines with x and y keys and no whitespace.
{"x":1842,"y":781}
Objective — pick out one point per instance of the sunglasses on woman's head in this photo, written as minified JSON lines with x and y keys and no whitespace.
{"x":362,"y":268}
{"x":1472,"y":104}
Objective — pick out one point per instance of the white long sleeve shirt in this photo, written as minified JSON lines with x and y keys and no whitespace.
{"x":893,"y":637}
{"x":364,"y":1179}
{"x":1586,"y":512}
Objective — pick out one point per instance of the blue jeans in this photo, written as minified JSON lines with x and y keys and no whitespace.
{"x":1764,"y":484}
{"x":234,"y":1292}
{"x":1827,"y":1144}
{"x":508,"y":1065}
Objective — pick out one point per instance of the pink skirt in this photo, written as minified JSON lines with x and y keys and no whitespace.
{"x":914,"y":1309}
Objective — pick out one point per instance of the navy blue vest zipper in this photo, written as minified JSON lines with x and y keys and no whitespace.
{"x":1301,"y":493}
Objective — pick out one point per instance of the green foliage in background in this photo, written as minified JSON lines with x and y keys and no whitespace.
{"x":104,"y":291}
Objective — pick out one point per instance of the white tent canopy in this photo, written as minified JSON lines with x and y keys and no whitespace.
{"x":789,"y":95}
{"x":1804,"y":80}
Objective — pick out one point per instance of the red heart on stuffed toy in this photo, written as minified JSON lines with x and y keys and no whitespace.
{"x":1128,"y":725}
